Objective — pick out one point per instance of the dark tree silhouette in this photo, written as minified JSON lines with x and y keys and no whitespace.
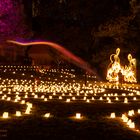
{"x":12,"y":23}
{"x":116,"y":32}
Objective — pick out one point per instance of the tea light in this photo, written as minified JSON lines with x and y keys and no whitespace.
{"x":47,"y":115}
{"x":5,"y":115}
{"x":78,"y":115}
{"x":18,"y":113}
{"x":112,"y":115}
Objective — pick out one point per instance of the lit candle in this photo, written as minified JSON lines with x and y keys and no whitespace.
{"x":18,"y":113}
{"x":27,"y":110}
{"x":138,"y":111}
{"x":132,"y":125}
{"x":87,"y":100}
{"x":68,"y":100}
{"x":5,"y":115}
{"x":23,"y":102}
{"x":112,"y":115}
{"x":47,"y":115}
{"x":78,"y":115}
{"x":125,"y":100}
{"x":131,"y":112}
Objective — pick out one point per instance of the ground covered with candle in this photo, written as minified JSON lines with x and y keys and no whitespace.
{"x":45,"y":103}
{"x":60,"y":125}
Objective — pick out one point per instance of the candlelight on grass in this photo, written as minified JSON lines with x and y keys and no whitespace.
{"x":112,"y":115}
{"x":5,"y":115}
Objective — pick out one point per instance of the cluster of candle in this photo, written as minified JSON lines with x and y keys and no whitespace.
{"x":127,"y":118}
{"x":47,"y":115}
{"x":66,"y":92}
{"x":62,"y":86}
{"x":5,"y":115}
{"x":21,"y":90}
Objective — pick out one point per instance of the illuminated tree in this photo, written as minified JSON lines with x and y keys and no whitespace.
{"x":12,"y":23}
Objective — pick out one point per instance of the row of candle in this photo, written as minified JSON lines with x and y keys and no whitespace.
{"x":125,"y":118}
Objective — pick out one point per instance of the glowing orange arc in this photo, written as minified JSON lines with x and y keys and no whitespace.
{"x":78,"y":61}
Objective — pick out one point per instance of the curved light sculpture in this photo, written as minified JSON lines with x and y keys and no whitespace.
{"x":128,"y":72}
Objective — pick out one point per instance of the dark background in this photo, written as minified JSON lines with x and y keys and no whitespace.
{"x":90,"y":29}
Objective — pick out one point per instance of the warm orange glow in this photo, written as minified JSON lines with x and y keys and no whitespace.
{"x":112,"y":115}
{"x":114,"y":68}
{"x":132,"y":125}
{"x":47,"y":115}
{"x":18,"y":113}
{"x":78,"y":115}
{"x":130,"y":70}
{"x":124,"y":118}
{"x":138,"y":111}
{"x":5,"y":115}
{"x":76,"y":60}
{"x":27,"y":111}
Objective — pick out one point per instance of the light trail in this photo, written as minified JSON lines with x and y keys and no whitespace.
{"x":76,"y":60}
